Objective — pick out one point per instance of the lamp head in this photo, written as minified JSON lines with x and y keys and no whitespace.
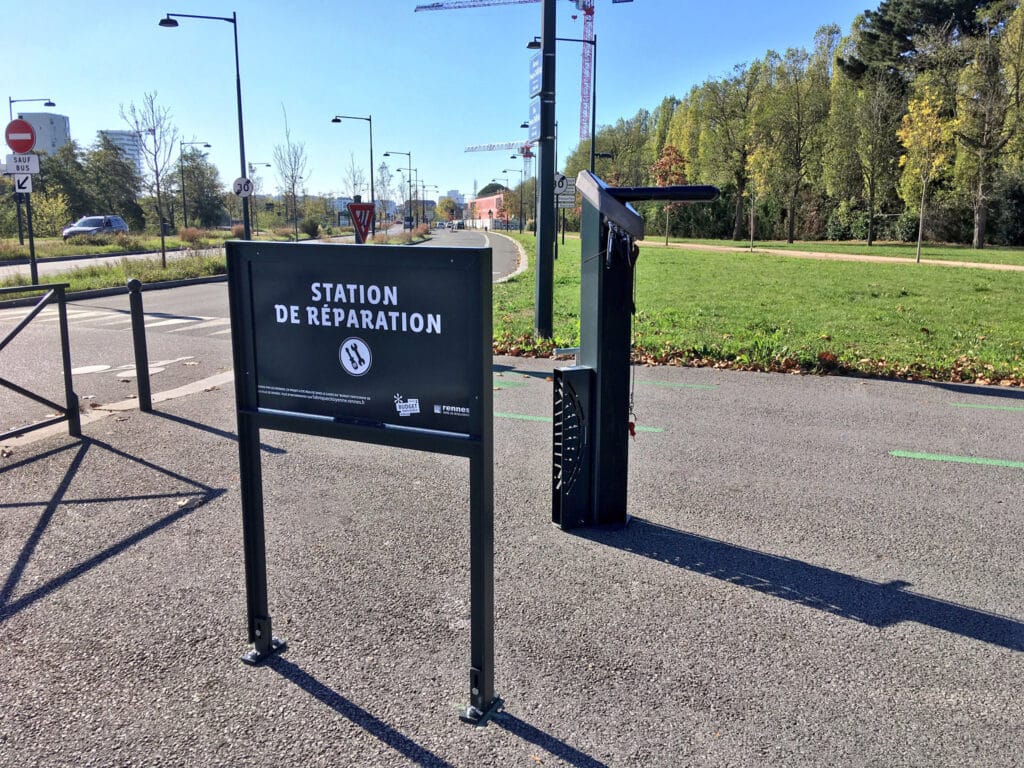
{"x":337,"y":119}
{"x":167,"y":21}
{"x":534,"y":45}
{"x":49,"y":103}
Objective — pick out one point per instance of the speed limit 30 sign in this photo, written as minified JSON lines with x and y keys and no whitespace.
{"x":242,"y":187}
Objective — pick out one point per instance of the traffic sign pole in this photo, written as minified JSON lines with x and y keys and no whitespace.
{"x":31,"y":242}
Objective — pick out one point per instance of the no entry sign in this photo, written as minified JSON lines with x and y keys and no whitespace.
{"x":20,"y":136}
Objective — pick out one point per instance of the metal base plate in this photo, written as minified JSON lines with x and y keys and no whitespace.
{"x":474,"y":716}
{"x":256,"y":656}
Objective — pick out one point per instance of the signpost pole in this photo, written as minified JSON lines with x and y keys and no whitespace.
{"x":31,"y":242}
{"x":254,"y":543}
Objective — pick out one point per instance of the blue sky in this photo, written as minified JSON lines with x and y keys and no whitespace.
{"x":434,"y":82}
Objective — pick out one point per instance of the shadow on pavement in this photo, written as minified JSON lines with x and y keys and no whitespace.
{"x":403,"y":744}
{"x":359,"y":716}
{"x":872,"y":603}
{"x":978,"y":390}
{"x":198,"y":496}
{"x":545,"y":741}
{"x":214,"y":431}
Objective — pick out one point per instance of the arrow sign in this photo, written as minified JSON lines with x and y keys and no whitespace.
{"x":20,"y":136}
{"x":23,"y":183}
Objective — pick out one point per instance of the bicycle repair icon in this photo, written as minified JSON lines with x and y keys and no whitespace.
{"x":354,"y":355}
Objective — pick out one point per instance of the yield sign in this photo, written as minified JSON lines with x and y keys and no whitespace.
{"x":20,"y":135}
{"x":362,"y":217}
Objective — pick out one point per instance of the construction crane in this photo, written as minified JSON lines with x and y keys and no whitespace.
{"x":586,"y":7}
{"x":523,"y":149}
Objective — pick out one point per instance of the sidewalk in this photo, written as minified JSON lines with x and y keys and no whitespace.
{"x":788,"y":593}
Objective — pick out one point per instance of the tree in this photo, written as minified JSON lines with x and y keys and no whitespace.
{"x":49,"y":213}
{"x":64,"y":171}
{"x":383,"y":182}
{"x":879,"y":110}
{"x":928,"y":138}
{"x":724,"y":110}
{"x":113,"y":182}
{"x":982,"y":105}
{"x":158,"y":136}
{"x":791,"y":115}
{"x":889,"y":38}
{"x":670,"y":170}
{"x":290,"y":163}
{"x":204,"y":190}
{"x":354,"y":177}
{"x":446,"y":209}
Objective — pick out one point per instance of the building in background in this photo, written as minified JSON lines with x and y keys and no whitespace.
{"x":458,"y":197}
{"x":52,"y":131}
{"x":130,"y":143}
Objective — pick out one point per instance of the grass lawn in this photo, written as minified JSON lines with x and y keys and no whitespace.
{"x":754,"y":311}
{"x":764,"y":312}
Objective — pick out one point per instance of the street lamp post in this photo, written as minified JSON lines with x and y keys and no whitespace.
{"x":255,"y":207}
{"x":373,"y":199}
{"x":181,"y":167}
{"x":169,"y":21}
{"x":409,"y":177}
{"x":11,"y":102}
{"x":543,"y":310}
{"x":423,"y":201}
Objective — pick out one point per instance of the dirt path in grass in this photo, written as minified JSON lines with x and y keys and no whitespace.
{"x":836,"y":256}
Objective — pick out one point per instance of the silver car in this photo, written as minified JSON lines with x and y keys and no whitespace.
{"x":95,"y":225}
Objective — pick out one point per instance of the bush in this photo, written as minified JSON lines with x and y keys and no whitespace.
{"x":311,"y":227}
{"x":238,"y":231}
{"x":190,"y":235}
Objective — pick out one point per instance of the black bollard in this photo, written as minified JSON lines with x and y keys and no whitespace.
{"x":139,"y":342}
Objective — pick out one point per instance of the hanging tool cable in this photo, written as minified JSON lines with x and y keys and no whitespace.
{"x":620,"y":244}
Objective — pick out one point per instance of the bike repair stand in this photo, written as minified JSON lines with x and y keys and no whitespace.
{"x":593,"y":417}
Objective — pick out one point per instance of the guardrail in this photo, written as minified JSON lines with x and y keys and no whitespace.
{"x":55,"y":294}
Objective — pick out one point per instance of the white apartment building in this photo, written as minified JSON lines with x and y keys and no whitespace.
{"x":52,"y":131}
{"x":130,"y":143}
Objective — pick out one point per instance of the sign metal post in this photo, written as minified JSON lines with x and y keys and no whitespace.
{"x":377,"y":344}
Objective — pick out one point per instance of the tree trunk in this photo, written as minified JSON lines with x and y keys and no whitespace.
{"x":737,"y":222}
{"x":791,"y":224}
{"x":920,"y":222}
{"x":871,"y":211}
{"x":980,"y":213}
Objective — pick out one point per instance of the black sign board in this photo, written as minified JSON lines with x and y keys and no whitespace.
{"x":380,"y":344}
{"x":380,"y":336}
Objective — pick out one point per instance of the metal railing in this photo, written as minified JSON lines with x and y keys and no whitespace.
{"x":55,"y":293}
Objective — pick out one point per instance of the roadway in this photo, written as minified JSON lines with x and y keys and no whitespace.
{"x":505,"y":253}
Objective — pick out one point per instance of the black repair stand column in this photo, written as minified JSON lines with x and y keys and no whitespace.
{"x":592,"y":399}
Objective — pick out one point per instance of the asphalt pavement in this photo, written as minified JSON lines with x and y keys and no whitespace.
{"x":817,"y":572}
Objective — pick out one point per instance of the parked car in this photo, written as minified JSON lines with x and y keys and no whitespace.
{"x":95,"y":225}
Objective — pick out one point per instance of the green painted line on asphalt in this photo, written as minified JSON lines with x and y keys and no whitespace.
{"x":677,"y":385}
{"x":957,"y":459}
{"x":985,"y":407}
{"x":548,"y":420}
{"x":508,"y":384}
